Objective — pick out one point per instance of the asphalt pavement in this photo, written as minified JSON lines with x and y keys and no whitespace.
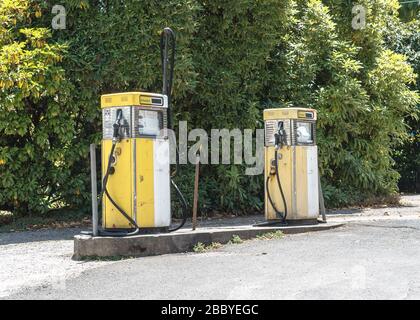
{"x":362,"y":260}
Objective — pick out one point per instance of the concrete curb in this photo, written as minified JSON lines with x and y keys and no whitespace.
{"x":180,"y":241}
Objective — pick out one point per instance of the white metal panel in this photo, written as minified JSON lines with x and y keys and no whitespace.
{"x":312,"y":170}
{"x":162,"y":186}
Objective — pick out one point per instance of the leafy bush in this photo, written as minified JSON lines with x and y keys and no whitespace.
{"x":360,"y":89}
{"x":406,"y":40}
{"x":234,"y":58}
{"x":36,"y":125}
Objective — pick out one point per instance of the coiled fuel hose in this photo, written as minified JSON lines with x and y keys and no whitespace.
{"x":111,"y":161}
{"x":267,"y":186}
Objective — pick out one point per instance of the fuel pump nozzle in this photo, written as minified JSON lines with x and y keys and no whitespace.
{"x":280,"y":136}
{"x":117,"y":126}
{"x":279,"y":142}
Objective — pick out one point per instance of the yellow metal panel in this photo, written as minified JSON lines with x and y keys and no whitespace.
{"x":127,"y":99}
{"x":288,"y":113}
{"x":145,"y":182}
{"x":145,"y":100}
{"x":285,"y":174}
{"x":120,"y":99}
{"x":301,"y":182}
{"x":119,"y":185}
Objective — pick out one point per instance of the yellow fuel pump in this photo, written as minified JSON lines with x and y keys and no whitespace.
{"x":291,"y":165}
{"x":136,"y":179}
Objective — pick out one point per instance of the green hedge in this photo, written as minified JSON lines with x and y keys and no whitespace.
{"x":407,"y":155}
{"x":234,"y":58}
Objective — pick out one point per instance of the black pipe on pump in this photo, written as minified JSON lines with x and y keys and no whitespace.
{"x":167,"y":43}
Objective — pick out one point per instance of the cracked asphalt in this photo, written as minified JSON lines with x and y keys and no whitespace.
{"x":376,"y":255}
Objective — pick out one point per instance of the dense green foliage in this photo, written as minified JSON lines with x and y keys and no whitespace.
{"x":35,"y":121}
{"x":407,"y":154}
{"x":359,"y":88}
{"x":409,"y":9}
{"x":234,"y":58}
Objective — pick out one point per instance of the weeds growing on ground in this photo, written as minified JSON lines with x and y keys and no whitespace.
{"x":271,"y":235}
{"x":235,"y":239}
{"x":201,"y":247}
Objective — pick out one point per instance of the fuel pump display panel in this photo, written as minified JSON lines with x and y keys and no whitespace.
{"x":304,"y":132}
{"x":136,"y":122}
{"x":147,"y":122}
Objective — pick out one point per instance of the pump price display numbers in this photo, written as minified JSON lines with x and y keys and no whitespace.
{"x":304,"y":132}
{"x":149,"y":122}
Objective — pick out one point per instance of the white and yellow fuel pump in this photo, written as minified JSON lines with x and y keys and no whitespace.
{"x":135,"y":161}
{"x":291,"y":166}
{"x":136,"y":178}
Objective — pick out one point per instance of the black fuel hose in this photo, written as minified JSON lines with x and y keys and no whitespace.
{"x":167,"y":43}
{"x":278,"y":212}
{"x":106,"y":193}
